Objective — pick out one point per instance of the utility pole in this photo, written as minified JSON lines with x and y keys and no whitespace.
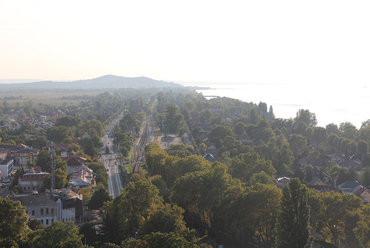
{"x":53,"y":166}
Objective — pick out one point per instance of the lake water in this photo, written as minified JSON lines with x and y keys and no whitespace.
{"x":331,"y":104}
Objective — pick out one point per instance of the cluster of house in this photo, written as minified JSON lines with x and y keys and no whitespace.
{"x":336,"y":156}
{"x":40,"y":122}
{"x":61,"y":205}
{"x":350,"y":187}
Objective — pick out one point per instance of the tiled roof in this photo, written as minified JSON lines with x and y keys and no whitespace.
{"x":349,"y":184}
{"x":32,"y":200}
{"x":28,"y":150}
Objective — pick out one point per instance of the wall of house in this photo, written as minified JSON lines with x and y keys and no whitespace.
{"x":6,"y":169}
{"x":46,"y":213}
{"x":69,"y":214}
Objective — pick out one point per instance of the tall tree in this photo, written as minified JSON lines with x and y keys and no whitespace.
{"x":59,"y":235}
{"x":13,"y":221}
{"x":292,"y":226}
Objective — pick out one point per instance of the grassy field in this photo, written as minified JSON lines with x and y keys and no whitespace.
{"x":43,"y":98}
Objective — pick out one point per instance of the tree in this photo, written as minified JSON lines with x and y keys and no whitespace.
{"x":59,"y":133}
{"x":271,"y":111}
{"x":253,"y":116}
{"x":166,"y":219}
{"x":35,"y":224}
{"x":98,"y":198}
{"x":187,"y":116}
{"x":261,"y":178}
{"x":173,"y":118}
{"x":68,"y":121}
{"x":218,"y":133}
{"x":319,"y":134}
{"x":89,"y":233}
{"x":362,"y":147}
{"x":332,"y":128}
{"x":13,"y":220}
{"x":239,"y":128}
{"x":125,"y":213}
{"x":297,"y":140}
{"x":58,"y":235}
{"x":245,"y":165}
{"x":307,"y":117}
{"x":92,"y":127}
{"x":362,"y":231}
{"x":292,"y":226}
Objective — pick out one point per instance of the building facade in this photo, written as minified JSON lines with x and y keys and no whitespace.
{"x":6,"y":167}
{"x":31,"y":182}
{"x":41,"y":207}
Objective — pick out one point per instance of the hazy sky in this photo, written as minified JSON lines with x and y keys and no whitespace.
{"x":223,"y":41}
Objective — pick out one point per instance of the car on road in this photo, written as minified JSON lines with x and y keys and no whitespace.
{"x":107,"y":169}
{"x":3,"y":185}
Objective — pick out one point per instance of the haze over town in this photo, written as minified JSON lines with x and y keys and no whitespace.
{"x":207,"y":41}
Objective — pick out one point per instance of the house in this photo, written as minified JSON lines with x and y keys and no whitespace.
{"x":244,"y":139}
{"x":136,"y":109}
{"x":62,"y":147}
{"x":81,"y":178}
{"x":73,"y":163}
{"x":364,"y":194}
{"x":350,"y":187}
{"x":357,"y":158}
{"x":40,"y":206}
{"x":6,"y":167}
{"x":11,"y":149}
{"x":209,"y":157}
{"x":72,"y":205}
{"x":206,"y":127}
{"x":31,"y":182}
{"x":316,"y":181}
{"x":312,"y":161}
{"x":349,"y":163}
{"x":3,"y":154}
{"x":282,"y":181}
{"x":21,"y":156}
{"x":323,"y":188}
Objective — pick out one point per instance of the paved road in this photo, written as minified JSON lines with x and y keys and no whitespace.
{"x":110,"y":162}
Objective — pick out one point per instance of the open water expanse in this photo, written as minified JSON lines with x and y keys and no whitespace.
{"x":331,"y":104}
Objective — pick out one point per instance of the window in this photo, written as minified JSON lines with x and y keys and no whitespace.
{"x":33,"y":212}
{"x":24,"y":188}
{"x":47,"y":221}
{"x":52,"y":220}
{"x":52,"y":211}
{"x":42,"y":222}
{"x":41,"y":211}
{"x":47,"y":210}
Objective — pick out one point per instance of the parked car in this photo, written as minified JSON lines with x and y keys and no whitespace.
{"x":3,"y":185}
{"x":7,"y":180}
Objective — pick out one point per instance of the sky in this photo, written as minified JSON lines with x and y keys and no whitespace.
{"x":200,"y":41}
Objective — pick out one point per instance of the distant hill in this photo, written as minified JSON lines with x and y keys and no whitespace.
{"x":104,"y":82}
